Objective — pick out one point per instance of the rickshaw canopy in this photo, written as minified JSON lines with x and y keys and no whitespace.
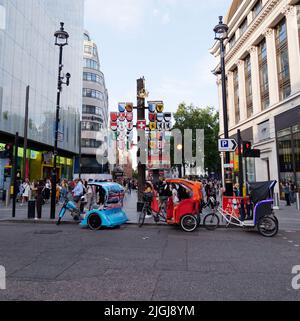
{"x":260,"y":191}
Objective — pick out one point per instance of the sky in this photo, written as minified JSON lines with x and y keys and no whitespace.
{"x":166,"y":41}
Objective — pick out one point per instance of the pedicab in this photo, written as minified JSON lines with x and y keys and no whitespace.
{"x":260,"y":213}
{"x":184,"y":214}
{"x":108,"y":212}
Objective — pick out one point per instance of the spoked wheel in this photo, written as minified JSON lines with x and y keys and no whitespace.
{"x":211,"y":221}
{"x":94,"y":222}
{"x":189,"y":223}
{"x":142,"y":217}
{"x":267,"y":226}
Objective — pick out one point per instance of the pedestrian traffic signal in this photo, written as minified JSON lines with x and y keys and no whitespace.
{"x":248,"y":152}
{"x":7,"y":152}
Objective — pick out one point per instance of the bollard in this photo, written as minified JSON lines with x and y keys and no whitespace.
{"x":276,"y":201}
{"x":298,"y":201}
{"x":31,"y":209}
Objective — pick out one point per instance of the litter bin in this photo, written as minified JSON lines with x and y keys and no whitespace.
{"x":31,"y":209}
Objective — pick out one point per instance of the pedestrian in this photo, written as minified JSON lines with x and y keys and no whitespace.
{"x":47,"y":191}
{"x":78,"y":191}
{"x":292,"y":189}
{"x":287,"y":193}
{"x":39,"y":198}
{"x":26,"y":192}
{"x":129,"y":187}
{"x":89,"y":196}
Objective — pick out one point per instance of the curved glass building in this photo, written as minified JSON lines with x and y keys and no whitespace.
{"x":94,"y":108}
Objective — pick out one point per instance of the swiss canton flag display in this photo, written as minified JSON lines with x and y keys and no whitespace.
{"x":129,"y":126}
{"x":113,"y":125}
{"x":121,"y":145}
{"x":152,"y":107}
{"x":167,"y":117}
{"x":122,"y":107}
{"x":152,"y":117}
{"x":152,"y":126}
{"x":129,"y":116}
{"x":160,"y":117}
{"x":168,"y":126}
{"x":141,"y":125}
{"x":160,"y":126}
{"x":129,"y":107}
{"x":114,"y":117}
{"x":122,"y":126}
{"x":160,"y":107}
{"x":122,"y":116}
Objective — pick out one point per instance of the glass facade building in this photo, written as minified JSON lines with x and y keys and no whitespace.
{"x":28,"y":56}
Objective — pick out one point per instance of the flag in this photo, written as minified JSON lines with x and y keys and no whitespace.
{"x":121,"y":107}
{"x":129,"y":107}
{"x":114,"y":117}
{"x":129,"y":116}
{"x":152,"y":126}
{"x":141,"y":125}
{"x":152,"y":117}
{"x":160,"y":117}
{"x":114,"y":126}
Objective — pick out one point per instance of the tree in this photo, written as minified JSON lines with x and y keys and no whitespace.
{"x":191,"y":117}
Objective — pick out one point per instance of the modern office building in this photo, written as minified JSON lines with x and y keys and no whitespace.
{"x":29,"y":57}
{"x":94,"y":110}
{"x":263,"y":85}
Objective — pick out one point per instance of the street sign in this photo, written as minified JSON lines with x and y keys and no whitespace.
{"x":228,"y":165}
{"x":227,"y":145}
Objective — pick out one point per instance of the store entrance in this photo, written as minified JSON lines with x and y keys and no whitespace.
{"x":47,"y":172}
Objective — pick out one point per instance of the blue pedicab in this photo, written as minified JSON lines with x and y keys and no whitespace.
{"x":107,"y":213}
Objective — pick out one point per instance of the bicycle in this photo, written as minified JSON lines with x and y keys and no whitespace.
{"x":147,"y":210}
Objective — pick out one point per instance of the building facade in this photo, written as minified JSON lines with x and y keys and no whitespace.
{"x":263,"y":85}
{"x":94,"y":109}
{"x":29,"y":57}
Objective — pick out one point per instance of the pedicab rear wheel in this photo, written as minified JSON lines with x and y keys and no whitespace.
{"x":94,"y":222}
{"x":211,"y":221}
{"x":189,"y":223}
{"x":267,"y":226}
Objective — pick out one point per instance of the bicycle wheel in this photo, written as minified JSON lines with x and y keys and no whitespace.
{"x":211,"y":221}
{"x":142,"y":216}
{"x":267,"y":226}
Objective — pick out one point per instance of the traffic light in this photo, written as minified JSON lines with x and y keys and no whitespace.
{"x":248,"y":152}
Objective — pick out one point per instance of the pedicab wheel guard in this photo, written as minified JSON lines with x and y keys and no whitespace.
{"x":211,"y":221}
{"x":94,"y":222}
{"x":267,"y":226}
{"x":189,"y":223}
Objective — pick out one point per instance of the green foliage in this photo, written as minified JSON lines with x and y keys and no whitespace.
{"x":191,"y":117}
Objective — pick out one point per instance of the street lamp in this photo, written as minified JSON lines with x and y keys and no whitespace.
{"x":61,"y":40}
{"x":221,"y":34}
{"x":179,"y":149}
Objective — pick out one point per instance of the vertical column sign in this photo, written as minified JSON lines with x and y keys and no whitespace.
{"x":2,"y":17}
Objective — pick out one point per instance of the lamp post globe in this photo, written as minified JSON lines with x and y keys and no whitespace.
{"x":61,"y":36}
{"x":221,"y":30}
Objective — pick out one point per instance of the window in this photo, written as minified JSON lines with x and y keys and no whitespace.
{"x":248,"y":81}
{"x":90,"y":143}
{"x":232,"y":41}
{"x":264,"y":131}
{"x":257,"y":9}
{"x":90,"y":126}
{"x":263,"y":75}
{"x":283,"y":60}
{"x":88,"y":76}
{"x":236,"y":95}
{"x":91,"y":64}
{"x":92,"y":93}
{"x":88,"y":109}
{"x":88,"y":50}
{"x":243,"y":27}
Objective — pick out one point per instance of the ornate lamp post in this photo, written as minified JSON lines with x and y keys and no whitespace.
{"x":61,"y":40}
{"x":221,"y":34}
